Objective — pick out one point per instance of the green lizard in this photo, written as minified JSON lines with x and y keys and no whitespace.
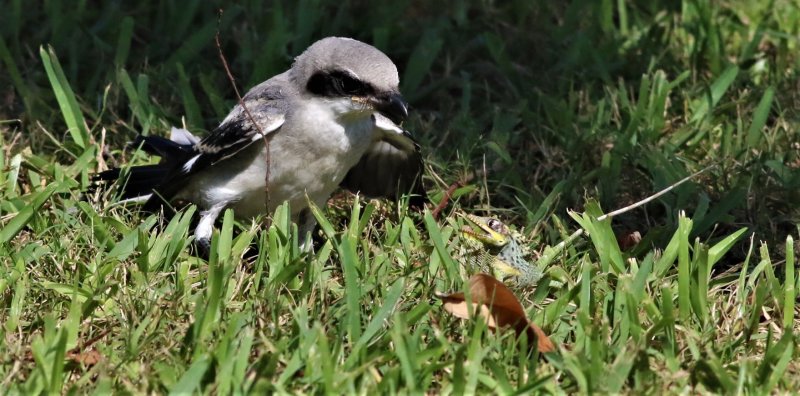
{"x":493,"y":248}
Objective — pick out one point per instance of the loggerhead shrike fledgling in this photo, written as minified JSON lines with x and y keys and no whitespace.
{"x":331,"y":120}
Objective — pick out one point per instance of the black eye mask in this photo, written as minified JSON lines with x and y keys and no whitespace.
{"x":337,"y":83}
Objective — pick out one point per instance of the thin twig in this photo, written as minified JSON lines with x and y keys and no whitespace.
{"x":246,"y":111}
{"x":461,"y":183}
{"x":10,"y":146}
{"x":486,"y":183}
{"x":78,"y":349}
{"x":101,"y":162}
{"x":445,"y":198}
{"x":93,"y":340}
{"x":654,"y":196}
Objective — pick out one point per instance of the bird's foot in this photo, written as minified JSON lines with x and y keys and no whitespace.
{"x":202,"y":248}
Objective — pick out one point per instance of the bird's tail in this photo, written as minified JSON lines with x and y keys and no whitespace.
{"x":133,"y":182}
{"x":140,"y":181}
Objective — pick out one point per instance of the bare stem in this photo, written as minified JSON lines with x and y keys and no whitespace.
{"x":654,"y":196}
{"x":247,"y":112}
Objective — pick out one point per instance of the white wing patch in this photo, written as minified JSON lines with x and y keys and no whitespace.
{"x":182,"y":136}
{"x":274,"y":123}
{"x":385,"y":124}
{"x":135,"y":200}
{"x":187,"y":166}
{"x":393,"y":134}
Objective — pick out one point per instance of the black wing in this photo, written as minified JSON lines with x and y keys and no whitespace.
{"x":390,"y":167}
{"x":266,"y":103}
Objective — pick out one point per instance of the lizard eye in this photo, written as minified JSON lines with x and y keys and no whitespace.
{"x":496,"y":225}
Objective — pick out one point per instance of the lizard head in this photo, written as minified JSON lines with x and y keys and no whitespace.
{"x":488,"y":231}
{"x":495,"y":240}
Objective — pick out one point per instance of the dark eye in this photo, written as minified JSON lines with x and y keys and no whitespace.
{"x":337,"y":83}
{"x":496,"y":225}
{"x":348,"y":85}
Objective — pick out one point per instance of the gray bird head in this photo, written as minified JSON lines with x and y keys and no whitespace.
{"x":345,"y":69}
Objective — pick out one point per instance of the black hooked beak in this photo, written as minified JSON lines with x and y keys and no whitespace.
{"x":392,"y":106}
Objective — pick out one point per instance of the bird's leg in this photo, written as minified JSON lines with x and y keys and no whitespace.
{"x":205,"y":228}
{"x":305,"y":228}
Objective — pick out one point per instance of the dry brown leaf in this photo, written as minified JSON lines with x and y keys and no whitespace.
{"x":493,"y":301}
{"x":543,"y":342}
{"x":87,"y":358}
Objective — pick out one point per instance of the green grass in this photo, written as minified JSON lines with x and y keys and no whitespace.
{"x":549,"y":113}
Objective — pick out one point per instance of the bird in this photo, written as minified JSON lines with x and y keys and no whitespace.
{"x":494,"y":249}
{"x":332,"y":120}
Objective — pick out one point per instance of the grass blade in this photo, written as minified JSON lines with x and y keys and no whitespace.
{"x":789,"y":285}
{"x":684,"y":268}
{"x":720,"y":248}
{"x":124,"y":41}
{"x":192,"y":378}
{"x":13,"y":72}
{"x":13,"y":227}
{"x":65,"y":97}
{"x":389,"y":304}
{"x":703,"y":106}
{"x":438,"y":242}
{"x":420,"y":61}
{"x":760,"y":115}
{"x":349,"y":257}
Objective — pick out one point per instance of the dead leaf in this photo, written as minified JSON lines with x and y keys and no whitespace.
{"x":493,"y":301}
{"x":543,"y":342}
{"x":87,"y":358}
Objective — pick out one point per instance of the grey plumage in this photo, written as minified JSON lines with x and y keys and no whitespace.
{"x":331,"y":119}
{"x":344,"y":54}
